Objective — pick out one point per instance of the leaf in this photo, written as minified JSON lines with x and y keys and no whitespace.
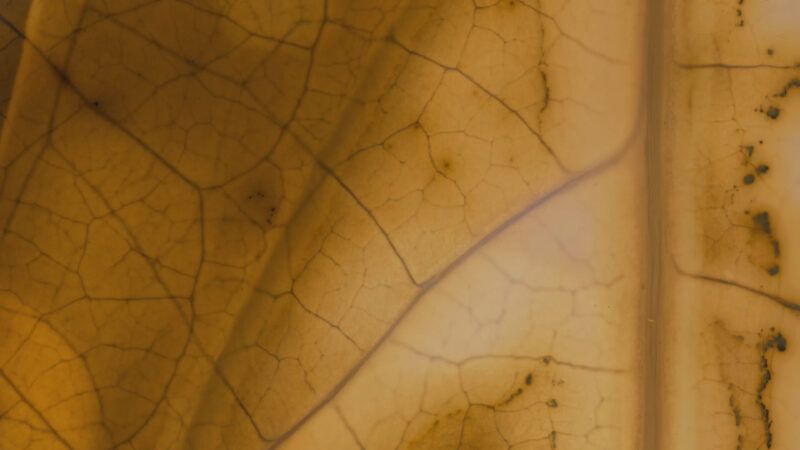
{"x":388,"y":224}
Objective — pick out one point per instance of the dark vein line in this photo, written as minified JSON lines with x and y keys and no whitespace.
{"x":238,"y":400}
{"x":491,"y":95}
{"x":324,"y":320}
{"x":786,"y":303}
{"x":34,"y":409}
{"x":350,"y":428}
{"x":543,"y":358}
{"x":374,"y":219}
{"x":736,"y":66}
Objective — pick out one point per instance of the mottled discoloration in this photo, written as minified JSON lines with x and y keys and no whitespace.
{"x":772,"y":340}
{"x":743,"y":361}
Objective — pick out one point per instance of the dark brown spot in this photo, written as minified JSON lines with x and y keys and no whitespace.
{"x":761,"y":221}
{"x":773,"y":112}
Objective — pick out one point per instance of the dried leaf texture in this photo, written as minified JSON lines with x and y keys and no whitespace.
{"x":396,"y":224}
{"x":732,"y":300}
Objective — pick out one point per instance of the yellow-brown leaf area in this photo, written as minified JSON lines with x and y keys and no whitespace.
{"x":321,"y":224}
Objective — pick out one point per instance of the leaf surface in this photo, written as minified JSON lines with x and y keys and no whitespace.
{"x":396,"y":224}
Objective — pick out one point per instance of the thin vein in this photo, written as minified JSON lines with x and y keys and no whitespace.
{"x":433,"y":281}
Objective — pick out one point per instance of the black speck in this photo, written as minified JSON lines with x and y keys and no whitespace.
{"x":776,"y":248}
{"x":761,"y":220}
{"x":772,"y":271}
{"x":773,"y":112}
{"x":529,"y":379}
{"x":749,"y":178}
{"x":769,"y":51}
{"x":749,"y":149}
{"x":762,"y":168}
{"x":552,"y":403}
{"x":780,"y":342}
